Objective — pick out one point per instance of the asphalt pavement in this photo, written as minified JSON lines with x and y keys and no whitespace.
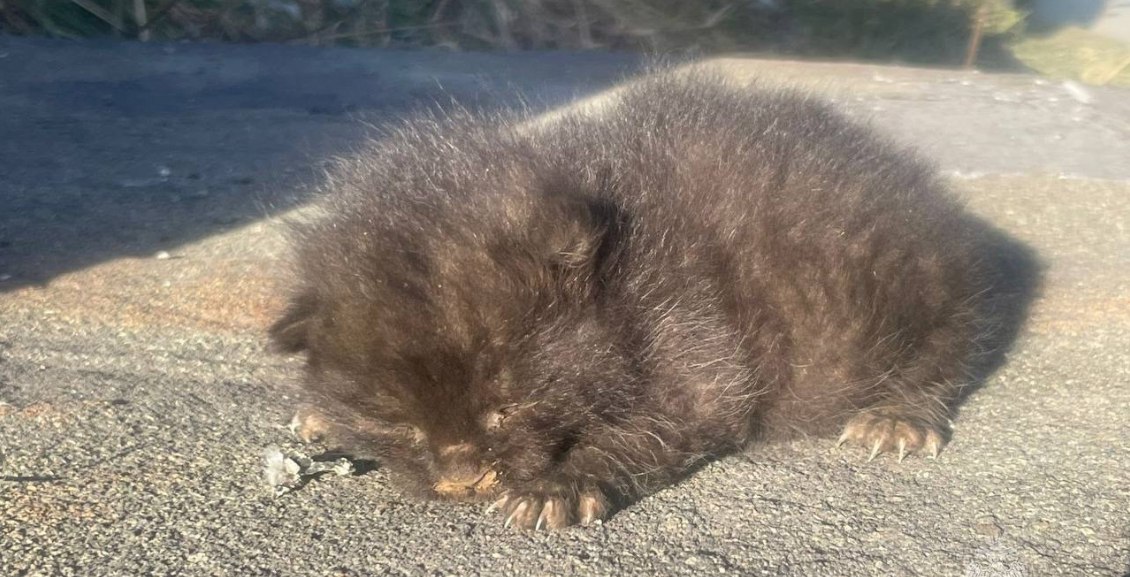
{"x":141,"y":193}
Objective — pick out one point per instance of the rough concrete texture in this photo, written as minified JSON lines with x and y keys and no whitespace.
{"x":140,"y":190}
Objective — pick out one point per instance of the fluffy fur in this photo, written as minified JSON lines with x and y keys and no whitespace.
{"x":572,"y":314}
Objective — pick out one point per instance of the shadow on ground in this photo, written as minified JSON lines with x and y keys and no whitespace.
{"x":227,"y":136}
{"x":1014,"y":273}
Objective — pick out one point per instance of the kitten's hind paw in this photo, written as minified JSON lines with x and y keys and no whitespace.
{"x":885,"y":432}
{"x":542,"y":511}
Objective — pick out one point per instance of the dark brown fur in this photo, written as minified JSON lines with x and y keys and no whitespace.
{"x":574,"y":314}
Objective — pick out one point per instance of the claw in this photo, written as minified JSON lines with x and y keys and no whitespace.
{"x":875,"y":450}
{"x":521,"y":508}
{"x":545,"y":512}
{"x":843,"y":439}
{"x":933,"y":450}
{"x":902,"y":449}
{"x":497,"y":504}
{"x":590,"y":509}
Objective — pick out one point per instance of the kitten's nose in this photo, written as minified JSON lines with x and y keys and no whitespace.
{"x":461,"y":484}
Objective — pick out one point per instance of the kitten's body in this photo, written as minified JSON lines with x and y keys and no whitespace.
{"x":582,"y":310}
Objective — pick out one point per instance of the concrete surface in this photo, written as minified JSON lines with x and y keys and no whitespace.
{"x":139,"y":250}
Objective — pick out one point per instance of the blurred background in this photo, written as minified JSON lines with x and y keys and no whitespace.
{"x":1086,"y":40}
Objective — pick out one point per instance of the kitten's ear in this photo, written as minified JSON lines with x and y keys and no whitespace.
{"x":291,"y":333}
{"x":585,"y":233}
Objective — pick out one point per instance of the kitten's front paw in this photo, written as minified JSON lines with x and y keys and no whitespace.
{"x":309,"y":425}
{"x":536,"y":510}
{"x":882,"y":432}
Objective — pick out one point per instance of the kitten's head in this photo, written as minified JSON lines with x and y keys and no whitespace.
{"x":461,"y":362}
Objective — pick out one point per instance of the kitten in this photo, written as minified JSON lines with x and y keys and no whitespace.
{"x":567,"y":315}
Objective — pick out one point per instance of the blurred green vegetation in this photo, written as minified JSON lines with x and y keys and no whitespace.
{"x":921,"y":31}
{"x":1077,"y":54}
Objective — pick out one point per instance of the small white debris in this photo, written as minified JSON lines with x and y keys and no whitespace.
{"x":1078,"y":92}
{"x":280,"y":471}
{"x":162,"y":255}
{"x":285,"y":472}
{"x":164,"y":171}
{"x":341,"y":467}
